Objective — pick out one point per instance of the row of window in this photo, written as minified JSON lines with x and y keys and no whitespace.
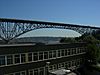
{"x":67,"y":64}
{"x":42,"y":70}
{"x":38,"y":56}
{"x":17,"y":73}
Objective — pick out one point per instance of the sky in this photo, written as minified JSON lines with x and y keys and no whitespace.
{"x":86,"y":12}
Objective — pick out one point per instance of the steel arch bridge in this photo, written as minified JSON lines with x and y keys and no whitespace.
{"x":12,"y":28}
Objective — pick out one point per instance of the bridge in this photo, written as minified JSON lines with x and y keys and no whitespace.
{"x":12,"y":28}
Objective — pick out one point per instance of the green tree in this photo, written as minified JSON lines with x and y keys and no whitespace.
{"x":93,"y":52}
{"x":68,"y":40}
{"x":93,"y":46}
{"x":90,"y":39}
{"x":96,"y":34}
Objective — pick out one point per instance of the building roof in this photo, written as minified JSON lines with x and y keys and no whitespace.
{"x":33,"y":44}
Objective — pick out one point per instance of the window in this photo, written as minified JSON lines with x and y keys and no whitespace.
{"x":2,"y":60}
{"x":62,"y":65}
{"x":17,"y":58}
{"x":31,"y":72}
{"x":23,"y":73}
{"x":59,"y":65}
{"x":50,"y":54}
{"x":40,"y":55}
{"x":68,"y":52}
{"x":35,"y":56}
{"x":23,"y":58}
{"x":55,"y":67}
{"x":62,"y":52}
{"x":81,"y":60}
{"x":18,"y":73}
{"x":36,"y":72}
{"x":45,"y":55}
{"x":51,"y":67}
{"x":68,"y":64}
{"x":41,"y":71}
{"x":78,"y":50}
{"x":9,"y":59}
{"x":58,"y":53}
{"x":83,"y":50}
{"x":73,"y":63}
{"x":54,"y":54}
{"x":65,"y":52}
{"x":29,"y":56}
{"x":73,"y":51}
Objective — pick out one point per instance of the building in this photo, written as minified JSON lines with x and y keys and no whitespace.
{"x":33,"y":59}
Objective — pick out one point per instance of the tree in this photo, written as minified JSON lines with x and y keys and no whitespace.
{"x":93,"y":53}
{"x":90,"y":39}
{"x":93,"y":50}
{"x":96,"y":34}
{"x":67,"y":40}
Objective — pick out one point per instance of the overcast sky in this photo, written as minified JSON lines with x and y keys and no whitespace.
{"x":86,"y":12}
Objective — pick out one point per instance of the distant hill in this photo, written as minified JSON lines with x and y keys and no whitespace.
{"x":47,"y":40}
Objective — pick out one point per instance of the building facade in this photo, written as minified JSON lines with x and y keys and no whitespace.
{"x":31,"y":59}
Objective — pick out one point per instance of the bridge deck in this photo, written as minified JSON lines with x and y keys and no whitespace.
{"x":42,"y":22}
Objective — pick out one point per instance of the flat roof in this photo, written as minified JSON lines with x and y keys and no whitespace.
{"x":33,"y":44}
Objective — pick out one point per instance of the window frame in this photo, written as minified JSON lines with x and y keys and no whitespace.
{"x":3,"y":61}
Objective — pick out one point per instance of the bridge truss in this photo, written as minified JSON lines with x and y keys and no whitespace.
{"x":12,"y":28}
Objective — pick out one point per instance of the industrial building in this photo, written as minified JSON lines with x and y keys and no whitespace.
{"x":40,"y":59}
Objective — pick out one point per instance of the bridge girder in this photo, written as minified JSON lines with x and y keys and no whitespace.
{"x":12,"y":28}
